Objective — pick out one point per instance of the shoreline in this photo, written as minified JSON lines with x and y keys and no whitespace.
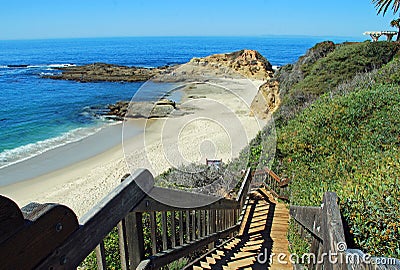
{"x":72,"y":152}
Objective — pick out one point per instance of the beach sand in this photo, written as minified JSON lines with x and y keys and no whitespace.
{"x":217,"y":124}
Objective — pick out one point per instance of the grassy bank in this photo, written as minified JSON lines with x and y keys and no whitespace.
{"x":339,"y":130}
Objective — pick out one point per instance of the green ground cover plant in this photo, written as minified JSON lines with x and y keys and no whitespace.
{"x":350,"y":145}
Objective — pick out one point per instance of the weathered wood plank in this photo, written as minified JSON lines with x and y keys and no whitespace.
{"x":332,"y":231}
{"x":164,"y":229}
{"x":181,"y":229}
{"x":198,"y":230}
{"x":99,"y":221}
{"x":187,"y":226}
{"x":213,"y":221}
{"x":122,"y":243}
{"x":217,"y":221}
{"x":224,"y":219}
{"x":211,"y":226}
{"x":134,"y":238}
{"x":309,"y":218}
{"x":173,"y":229}
{"x":209,"y":253}
{"x":208,"y":222}
{"x":153,"y":232}
{"x":11,"y":218}
{"x":101,"y":256}
{"x":45,"y":230}
{"x":203,"y":224}
{"x":314,"y":249}
{"x":193,"y":224}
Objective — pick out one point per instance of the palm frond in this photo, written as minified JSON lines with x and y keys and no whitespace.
{"x":383,"y":5}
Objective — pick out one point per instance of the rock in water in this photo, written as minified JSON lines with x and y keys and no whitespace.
{"x":106,"y":72}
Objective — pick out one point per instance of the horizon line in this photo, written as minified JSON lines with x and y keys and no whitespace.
{"x":185,"y":36}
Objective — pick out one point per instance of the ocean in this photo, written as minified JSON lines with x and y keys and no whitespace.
{"x":38,"y":114}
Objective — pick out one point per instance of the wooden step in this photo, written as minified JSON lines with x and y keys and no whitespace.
{"x":237,"y":254}
{"x":205,"y":265}
{"x":211,"y":260}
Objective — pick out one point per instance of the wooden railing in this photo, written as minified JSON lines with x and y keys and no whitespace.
{"x":324,"y":229}
{"x":279,"y":187}
{"x":50,"y":236}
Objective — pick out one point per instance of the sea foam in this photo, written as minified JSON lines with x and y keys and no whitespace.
{"x":21,"y":153}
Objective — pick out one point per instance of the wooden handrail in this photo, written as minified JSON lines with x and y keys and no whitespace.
{"x":244,"y":188}
{"x":98,"y":222}
{"x":32,"y":233}
{"x":324,"y":225}
{"x":268,"y":171}
{"x":279,"y":187}
{"x":203,"y":221}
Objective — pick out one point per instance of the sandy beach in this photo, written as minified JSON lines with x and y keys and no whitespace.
{"x":219,"y":125}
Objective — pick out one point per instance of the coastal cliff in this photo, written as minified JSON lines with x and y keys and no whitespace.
{"x":249,"y":63}
{"x":267,"y":99}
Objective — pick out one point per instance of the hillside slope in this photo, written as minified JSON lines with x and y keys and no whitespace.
{"x":324,"y":68}
{"x":350,"y":145}
{"x":348,"y":140}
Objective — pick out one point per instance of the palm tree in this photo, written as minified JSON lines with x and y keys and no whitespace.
{"x":396,"y":23}
{"x":383,"y":5}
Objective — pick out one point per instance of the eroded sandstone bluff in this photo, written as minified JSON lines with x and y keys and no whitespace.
{"x":249,"y":63}
{"x":267,"y":100}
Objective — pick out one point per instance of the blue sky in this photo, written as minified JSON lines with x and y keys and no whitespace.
{"x":27,"y":19}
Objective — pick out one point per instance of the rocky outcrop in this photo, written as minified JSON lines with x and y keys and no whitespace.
{"x":118,"y":110}
{"x":267,"y":100}
{"x":249,"y":63}
{"x":270,"y":94}
{"x":145,"y":109}
{"x":107,"y":72}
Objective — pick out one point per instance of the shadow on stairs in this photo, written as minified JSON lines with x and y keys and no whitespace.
{"x":262,"y":232}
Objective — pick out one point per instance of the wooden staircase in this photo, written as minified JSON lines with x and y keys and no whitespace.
{"x":263,"y":231}
{"x":49,"y":236}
